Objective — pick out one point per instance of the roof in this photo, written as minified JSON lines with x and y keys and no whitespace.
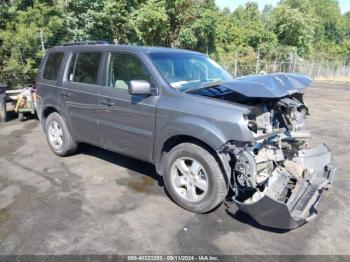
{"x":133,"y":48}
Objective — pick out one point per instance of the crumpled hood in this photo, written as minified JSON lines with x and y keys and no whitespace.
{"x":268,"y":86}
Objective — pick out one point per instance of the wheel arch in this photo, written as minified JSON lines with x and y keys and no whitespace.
{"x":46,"y":112}
{"x":49,"y":109}
{"x":175,"y":140}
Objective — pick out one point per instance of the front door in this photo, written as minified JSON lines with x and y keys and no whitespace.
{"x":80,"y":91}
{"x":126,"y":122}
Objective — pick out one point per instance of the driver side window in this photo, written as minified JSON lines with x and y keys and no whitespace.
{"x":123,"y":68}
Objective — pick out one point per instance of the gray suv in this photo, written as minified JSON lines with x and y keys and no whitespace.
{"x":210,"y":136}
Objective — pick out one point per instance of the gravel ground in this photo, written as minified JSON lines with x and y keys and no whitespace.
{"x":99,"y":202}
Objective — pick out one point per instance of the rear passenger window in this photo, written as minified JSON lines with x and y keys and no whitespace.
{"x":84,"y":67}
{"x":52,"y":66}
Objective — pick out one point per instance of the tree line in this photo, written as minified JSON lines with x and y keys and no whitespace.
{"x":305,"y":28}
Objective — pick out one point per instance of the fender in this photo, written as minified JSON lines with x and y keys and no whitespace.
{"x":51,"y":102}
{"x":213,"y":134}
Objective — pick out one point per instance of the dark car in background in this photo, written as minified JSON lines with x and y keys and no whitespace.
{"x":206,"y":133}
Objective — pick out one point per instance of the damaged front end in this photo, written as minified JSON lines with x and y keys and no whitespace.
{"x":280,"y":187}
{"x":278,"y":179}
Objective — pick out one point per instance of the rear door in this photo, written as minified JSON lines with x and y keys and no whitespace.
{"x":126,"y":122}
{"x":47,"y":87}
{"x":80,"y":92}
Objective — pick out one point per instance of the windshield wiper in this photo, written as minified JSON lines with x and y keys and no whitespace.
{"x":210,"y":84}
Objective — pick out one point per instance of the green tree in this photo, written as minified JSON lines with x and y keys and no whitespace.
{"x":181,"y":14}
{"x":330,"y":23}
{"x":87,"y":19}
{"x":150,"y":23}
{"x":21,"y":42}
{"x":293,"y":28}
{"x":117,"y":13}
{"x":253,"y":31}
{"x":346,"y":18}
{"x":309,"y":27}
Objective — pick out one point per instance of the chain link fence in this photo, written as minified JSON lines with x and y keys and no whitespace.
{"x":333,"y":70}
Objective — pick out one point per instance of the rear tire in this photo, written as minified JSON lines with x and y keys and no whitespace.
{"x":20,"y":116}
{"x":3,"y":111}
{"x":58,"y":136}
{"x":201,"y":186}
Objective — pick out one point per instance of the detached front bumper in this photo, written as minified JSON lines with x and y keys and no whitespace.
{"x":286,"y":202}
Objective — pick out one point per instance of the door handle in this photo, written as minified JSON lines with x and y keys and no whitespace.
{"x":107,"y":103}
{"x":65,"y":94}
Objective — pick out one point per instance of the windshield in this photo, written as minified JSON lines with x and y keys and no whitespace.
{"x":185,"y":71}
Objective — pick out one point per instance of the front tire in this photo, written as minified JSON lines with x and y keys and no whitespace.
{"x":193,"y":178}
{"x":58,"y":136}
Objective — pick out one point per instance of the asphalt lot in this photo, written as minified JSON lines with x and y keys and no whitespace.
{"x":99,"y":202}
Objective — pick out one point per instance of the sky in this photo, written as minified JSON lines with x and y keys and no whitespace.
{"x":232,"y":4}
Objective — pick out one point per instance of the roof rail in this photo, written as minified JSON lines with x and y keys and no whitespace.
{"x":88,"y":42}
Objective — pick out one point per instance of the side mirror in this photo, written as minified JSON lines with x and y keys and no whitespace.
{"x":139,"y":87}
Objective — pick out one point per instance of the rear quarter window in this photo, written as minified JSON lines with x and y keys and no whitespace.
{"x":52,"y":66}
